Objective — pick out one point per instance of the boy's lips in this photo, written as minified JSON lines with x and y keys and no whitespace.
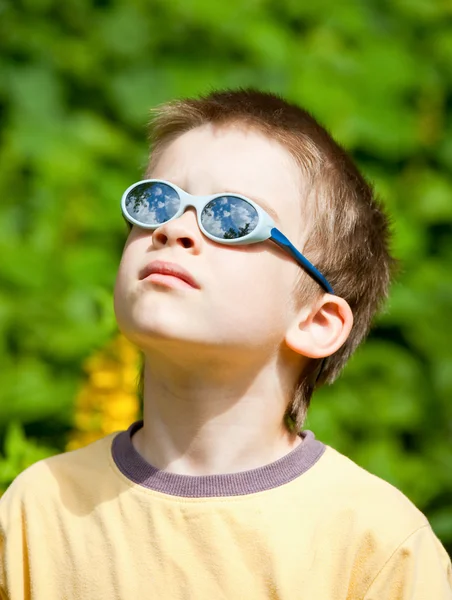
{"x":168,"y":268}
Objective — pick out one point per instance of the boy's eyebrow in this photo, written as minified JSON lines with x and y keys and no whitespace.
{"x":263,"y":204}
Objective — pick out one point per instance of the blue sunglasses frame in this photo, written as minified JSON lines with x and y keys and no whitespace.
{"x":264,"y":230}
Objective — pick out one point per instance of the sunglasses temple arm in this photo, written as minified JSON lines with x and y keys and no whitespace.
{"x":284,"y":243}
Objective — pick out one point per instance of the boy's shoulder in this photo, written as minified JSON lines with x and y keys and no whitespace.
{"x":357,"y":494}
{"x":52,"y":477}
{"x":375,"y":518}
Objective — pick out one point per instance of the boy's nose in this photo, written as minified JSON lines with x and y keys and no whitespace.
{"x":183,"y":231}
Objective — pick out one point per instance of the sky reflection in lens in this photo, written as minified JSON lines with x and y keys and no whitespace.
{"x":152,"y":203}
{"x":229,"y":217}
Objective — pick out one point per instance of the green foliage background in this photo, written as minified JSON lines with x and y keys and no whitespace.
{"x":77,"y":79}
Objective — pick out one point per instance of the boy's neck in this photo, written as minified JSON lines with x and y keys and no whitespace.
{"x":208,"y":427}
{"x":212,"y":456}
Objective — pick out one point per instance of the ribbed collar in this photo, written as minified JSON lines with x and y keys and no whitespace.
{"x":275,"y":474}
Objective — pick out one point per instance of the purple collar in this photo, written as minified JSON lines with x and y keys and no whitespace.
{"x":275,"y":474}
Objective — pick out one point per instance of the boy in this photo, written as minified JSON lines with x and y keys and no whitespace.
{"x":219,"y":492}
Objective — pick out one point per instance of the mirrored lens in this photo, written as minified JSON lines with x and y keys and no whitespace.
{"x":152,"y":203}
{"x":229,"y":217}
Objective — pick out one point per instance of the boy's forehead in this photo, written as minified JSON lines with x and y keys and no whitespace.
{"x":232,"y":158}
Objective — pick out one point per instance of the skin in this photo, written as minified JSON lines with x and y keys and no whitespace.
{"x":221,"y":361}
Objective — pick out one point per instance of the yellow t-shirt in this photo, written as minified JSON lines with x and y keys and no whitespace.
{"x":101,"y":523}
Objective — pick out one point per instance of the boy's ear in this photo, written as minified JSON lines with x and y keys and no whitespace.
{"x":320,"y":329}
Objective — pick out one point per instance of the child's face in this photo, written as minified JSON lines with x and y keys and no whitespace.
{"x":244,"y":301}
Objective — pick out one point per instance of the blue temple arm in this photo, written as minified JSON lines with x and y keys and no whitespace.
{"x":284,"y":243}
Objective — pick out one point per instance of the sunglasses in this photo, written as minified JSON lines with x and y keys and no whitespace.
{"x":229,"y":219}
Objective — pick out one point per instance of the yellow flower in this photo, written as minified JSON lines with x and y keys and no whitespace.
{"x":108,"y":399}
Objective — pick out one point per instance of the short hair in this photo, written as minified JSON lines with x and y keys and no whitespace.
{"x":348,"y":231}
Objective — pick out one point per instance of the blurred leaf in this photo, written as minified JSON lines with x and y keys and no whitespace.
{"x":20,"y":453}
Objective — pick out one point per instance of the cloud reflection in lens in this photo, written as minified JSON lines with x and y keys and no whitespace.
{"x":152,"y":203}
{"x":229,"y":217}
